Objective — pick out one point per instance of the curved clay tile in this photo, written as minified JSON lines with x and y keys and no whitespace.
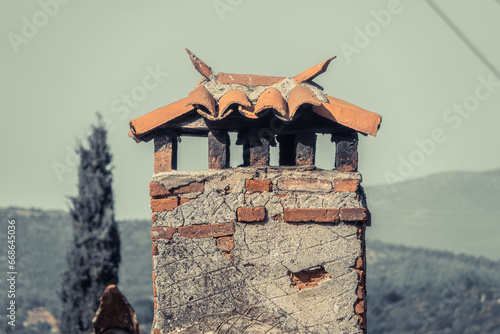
{"x":313,"y":72}
{"x":200,"y":96}
{"x":248,"y":79}
{"x":232,"y":97}
{"x":158,"y":117}
{"x":248,"y":112}
{"x":349,"y":115}
{"x":199,"y":65}
{"x":271,"y":98}
{"x":299,"y":96}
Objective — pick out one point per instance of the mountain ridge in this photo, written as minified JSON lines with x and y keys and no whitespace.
{"x":456,"y":211}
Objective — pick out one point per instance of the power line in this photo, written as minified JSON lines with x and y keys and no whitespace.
{"x":464,"y":38}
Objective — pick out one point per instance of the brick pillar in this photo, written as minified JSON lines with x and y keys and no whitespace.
{"x":165,"y":153}
{"x":259,"y":250}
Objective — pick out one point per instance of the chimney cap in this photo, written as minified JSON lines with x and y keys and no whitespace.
{"x":244,"y":98}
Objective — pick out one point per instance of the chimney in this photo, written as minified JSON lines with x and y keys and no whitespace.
{"x":258,"y":248}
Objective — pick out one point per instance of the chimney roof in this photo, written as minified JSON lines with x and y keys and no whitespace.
{"x":218,"y":95}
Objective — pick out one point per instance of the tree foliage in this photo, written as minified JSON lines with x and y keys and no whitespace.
{"x":413,"y":290}
{"x":94,"y":256}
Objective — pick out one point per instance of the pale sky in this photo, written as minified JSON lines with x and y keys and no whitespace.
{"x":64,"y":60}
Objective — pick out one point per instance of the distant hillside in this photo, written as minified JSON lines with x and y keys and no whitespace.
{"x":457,"y":211}
{"x":42,"y":239}
{"x":414,"y":290}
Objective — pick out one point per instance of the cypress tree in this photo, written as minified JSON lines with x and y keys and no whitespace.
{"x":94,"y":256}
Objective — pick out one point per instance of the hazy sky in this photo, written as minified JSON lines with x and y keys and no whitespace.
{"x":64,"y":60}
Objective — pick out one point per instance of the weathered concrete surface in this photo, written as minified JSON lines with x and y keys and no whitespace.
{"x":201,"y":288}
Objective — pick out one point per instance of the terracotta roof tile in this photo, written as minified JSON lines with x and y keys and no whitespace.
{"x":200,"y":96}
{"x":271,"y":98}
{"x":248,"y":79}
{"x":254,"y":96}
{"x":248,"y":112}
{"x":301,"y":95}
{"x":200,"y":66}
{"x":158,"y":117}
{"x":313,"y":72}
{"x":232,"y":97}
{"x":349,"y":115}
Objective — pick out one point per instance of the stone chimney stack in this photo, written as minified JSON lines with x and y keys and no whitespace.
{"x":258,"y":248}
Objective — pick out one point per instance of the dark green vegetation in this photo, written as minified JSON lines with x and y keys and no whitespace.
{"x":43,"y":239}
{"x":410,"y":290}
{"x":94,"y":255}
{"x":422,"y":291}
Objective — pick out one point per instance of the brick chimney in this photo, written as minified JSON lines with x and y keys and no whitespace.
{"x":258,"y":248}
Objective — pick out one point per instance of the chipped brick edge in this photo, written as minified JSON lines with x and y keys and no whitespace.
{"x":361,"y":215}
{"x":311,"y":215}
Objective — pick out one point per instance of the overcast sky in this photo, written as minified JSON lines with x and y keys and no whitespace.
{"x":430,"y":72}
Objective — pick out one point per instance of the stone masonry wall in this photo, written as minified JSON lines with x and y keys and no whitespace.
{"x":259,"y":250}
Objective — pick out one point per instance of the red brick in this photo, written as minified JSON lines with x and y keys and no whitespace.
{"x":162,"y":232}
{"x":158,"y":190}
{"x":164,"y":204}
{"x":155,"y":306}
{"x":259,"y":185}
{"x":310,"y":185}
{"x":154,"y":249}
{"x":185,"y":200}
{"x":361,"y":276}
{"x":361,"y":322}
{"x":307,"y":279}
{"x":345,"y":185}
{"x":354,"y":215}
{"x":360,"y":292}
{"x":346,"y":168}
{"x":154,"y":218}
{"x":312,"y":215}
{"x":360,"y":307}
{"x":207,"y":231}
{"x":193,"y":187}
{"x":225,"y":244}
{"x":163,"y":161}
{"x":250,"y":215}
{"x":361,"y":233}
{"x":359,"y":263}
{"x":155,"y":293}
